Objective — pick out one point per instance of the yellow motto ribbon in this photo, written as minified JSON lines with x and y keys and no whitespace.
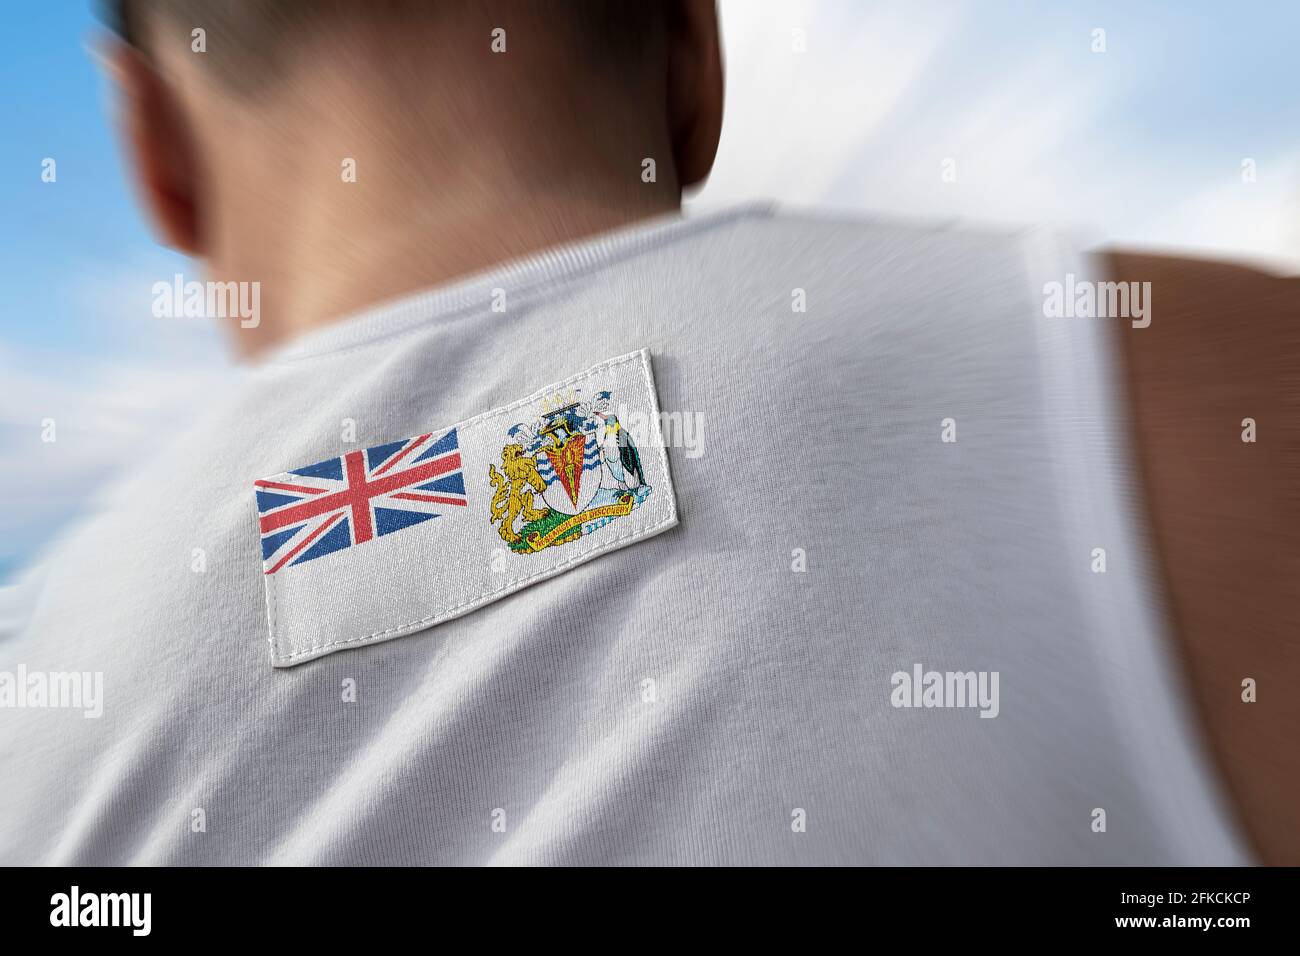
{"x":537,"y":541}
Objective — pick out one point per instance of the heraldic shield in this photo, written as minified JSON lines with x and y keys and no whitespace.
{"x":569,"y":472}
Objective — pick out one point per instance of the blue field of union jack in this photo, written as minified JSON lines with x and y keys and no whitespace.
{"x":310,"y":512}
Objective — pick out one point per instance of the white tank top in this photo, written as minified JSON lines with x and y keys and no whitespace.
{"x":879,"y":631}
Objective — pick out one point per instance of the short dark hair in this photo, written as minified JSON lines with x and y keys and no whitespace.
{"x":247,"y":35}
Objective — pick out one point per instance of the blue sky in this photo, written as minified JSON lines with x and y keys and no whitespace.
{"x":1140,"y":145}
{"x":54,"y":106}
{"x":75,"y":341}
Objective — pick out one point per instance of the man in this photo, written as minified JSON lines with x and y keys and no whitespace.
{"x":882,"y":592}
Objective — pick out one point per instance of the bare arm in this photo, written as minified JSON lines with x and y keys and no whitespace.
{"x":1223,"y":346}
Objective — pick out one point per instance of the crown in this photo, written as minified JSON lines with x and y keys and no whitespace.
{"x":559,"y":399}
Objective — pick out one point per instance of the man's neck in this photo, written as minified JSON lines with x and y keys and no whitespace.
{"x":338,"y":264}
{"x":440,"y":187}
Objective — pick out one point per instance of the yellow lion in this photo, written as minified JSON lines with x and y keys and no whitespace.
{"x":513,"y":497}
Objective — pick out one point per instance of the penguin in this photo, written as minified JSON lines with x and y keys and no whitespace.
{"x":620,"y":455}
{"x":609,"y":452}
{"x":631,"y":458}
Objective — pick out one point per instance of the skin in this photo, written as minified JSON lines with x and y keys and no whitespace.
{"x":491,"y":170}
{"x":1224,"y":345}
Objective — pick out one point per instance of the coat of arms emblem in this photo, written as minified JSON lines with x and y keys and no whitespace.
{"x":566,"y":473}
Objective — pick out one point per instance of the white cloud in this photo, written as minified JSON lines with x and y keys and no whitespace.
{"x":794,"y":120}
{"x":1258,"y":221}
{"x":109,"y":409}
{"x":1036,"y":124}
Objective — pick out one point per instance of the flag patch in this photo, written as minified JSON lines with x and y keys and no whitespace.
{"x":379,"y":543}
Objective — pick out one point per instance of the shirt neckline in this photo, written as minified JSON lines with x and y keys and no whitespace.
{"x":520,"y":276}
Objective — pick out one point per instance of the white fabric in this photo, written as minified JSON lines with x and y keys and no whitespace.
{"x":719,"y":693}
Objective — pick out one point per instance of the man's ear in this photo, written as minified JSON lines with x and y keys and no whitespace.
{"x":159,"y":146}
{"x":694,"y":88}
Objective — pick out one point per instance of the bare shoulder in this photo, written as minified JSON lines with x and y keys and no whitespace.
{"x":1214,"y":389}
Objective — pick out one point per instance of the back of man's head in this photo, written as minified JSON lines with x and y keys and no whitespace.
{"x":491,"y":126}
{"x":251,"y":42}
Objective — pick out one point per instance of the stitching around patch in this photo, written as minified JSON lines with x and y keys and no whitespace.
{"x":486,"y":596}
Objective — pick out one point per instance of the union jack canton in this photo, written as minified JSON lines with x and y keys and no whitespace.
{"x":310,"y":512}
